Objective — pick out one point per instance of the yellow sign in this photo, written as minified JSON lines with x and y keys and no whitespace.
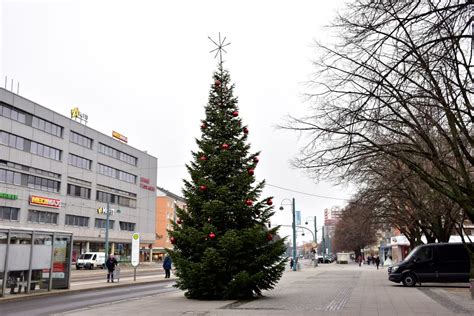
{"x":76,"y":114}
{"x":119,"y":136}
{"x":44,"y":201}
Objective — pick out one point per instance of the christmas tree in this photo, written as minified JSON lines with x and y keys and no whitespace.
{"x":222,"y":247}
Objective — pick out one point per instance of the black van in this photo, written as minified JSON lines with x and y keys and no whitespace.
{"x":441,"y":262}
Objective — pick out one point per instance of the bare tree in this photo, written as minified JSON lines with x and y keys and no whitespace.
{"x":355,"y":230}
{"x":398,"y":85}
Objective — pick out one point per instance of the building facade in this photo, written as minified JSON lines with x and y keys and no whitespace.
{"x":166,"y":205}
{"x":57,"y":173}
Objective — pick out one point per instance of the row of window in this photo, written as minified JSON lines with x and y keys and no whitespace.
{"x":46,"y":126}
{"x":116,"y":173}
{"x":79,"y":162}
{"x":80,"y":140}
{"x":34,"y":182}
{"x":78,"y":191}
{"x":116,"y":199}
{"x":117,"y":154}
{"x":44,"y":217}
{"x":29,"y":169}
{"x":30,"y":120}
{"x":27,"y":145}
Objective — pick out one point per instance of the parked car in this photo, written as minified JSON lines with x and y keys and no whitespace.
{"x":324,"y":259}
{"x":90,"y":260}
{"x":440,"y":262}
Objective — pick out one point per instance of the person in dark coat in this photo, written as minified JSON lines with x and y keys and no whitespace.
{"x":291,"y":263}
{"x":110,"y":264}
{"x":167,"y":266}
{"x":377,"y":262}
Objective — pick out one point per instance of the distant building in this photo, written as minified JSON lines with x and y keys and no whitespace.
{"x":166,"y":204}
{"x":59,"y":174}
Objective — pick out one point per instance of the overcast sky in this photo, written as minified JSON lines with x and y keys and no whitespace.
{"x":143,"y":69}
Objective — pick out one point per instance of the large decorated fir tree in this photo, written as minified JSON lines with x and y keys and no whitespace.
{"x":222,"y":247}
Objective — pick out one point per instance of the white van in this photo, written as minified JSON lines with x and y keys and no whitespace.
{"x":90,"y":260}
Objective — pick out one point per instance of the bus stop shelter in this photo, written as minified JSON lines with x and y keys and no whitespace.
{"x":34,"y":260}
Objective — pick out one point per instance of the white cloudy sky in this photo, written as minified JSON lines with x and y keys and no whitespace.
{"x":143,"y":68}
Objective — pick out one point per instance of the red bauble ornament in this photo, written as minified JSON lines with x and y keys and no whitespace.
{"x":203,"y":158}
{"x":212,"y":235}
{"x":217,"y":83}
{"x":225,"y":146}
{"x":202,"y":188}
{"x":179,"y":221}
{"x":255,"y":159}
{"x":251,"y":171}
{"x":235,"y":114}
{"x":173,"y":240}
{"x":269,"y":202}
{"x":249,"y":202}
{"x":203,"y":126}
{"x":246,"y":130}
{"x":269,"y":237}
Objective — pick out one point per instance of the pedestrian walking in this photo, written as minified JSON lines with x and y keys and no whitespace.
{"x":111,"y":263}
{"x":377,"y":262}
{"x":167,"y":266}
{"x":291,"y":263}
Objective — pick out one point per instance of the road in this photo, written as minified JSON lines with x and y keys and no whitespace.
{"x":54,"y":304}
{"x":97,"y":274}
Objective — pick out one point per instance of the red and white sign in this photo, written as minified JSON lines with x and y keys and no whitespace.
{"x":44,"y":201}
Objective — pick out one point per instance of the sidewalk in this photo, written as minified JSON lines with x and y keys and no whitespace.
{"x":329,"y":288}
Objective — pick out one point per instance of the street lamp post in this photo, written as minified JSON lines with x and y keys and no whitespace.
{"x":293,"y":225}
{"x":315,"y":241}
{"x":107,"y":221}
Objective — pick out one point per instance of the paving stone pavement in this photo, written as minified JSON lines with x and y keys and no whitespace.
{"x":328,"y":289}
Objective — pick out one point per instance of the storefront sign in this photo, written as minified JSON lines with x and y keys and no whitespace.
{"x":119,"y":137}
{"x":103,"y":210}
{"x":76,"y":114}
{"x":8,"y":196}
{"x":44,"y":201}
{"x":145,"y":184}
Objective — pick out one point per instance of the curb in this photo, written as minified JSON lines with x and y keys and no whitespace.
{"x":26,"y":297}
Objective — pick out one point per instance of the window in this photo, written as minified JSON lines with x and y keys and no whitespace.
{"x":10,"y":177}
{"x":42,"y":217}
{"x":80,"y":139}
{"x":127,"y":226}
{"x":45,"y":151}
{"x":74,"y":220}
{"x":118,"y":174}
{"x":9,"y":213}
{"x":78,"y":191}
{"x":12,"y":113}
{"x":43,"y":184}
{"x":115,"y":199}
{"x":46,"y":126}
{"x":100,"y":223}
{"x":112,"y":152}
{"x":424,"y":253}
{"x":79,"y":162}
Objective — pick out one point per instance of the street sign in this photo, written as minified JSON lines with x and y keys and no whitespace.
{"x":135,"y":249}
{"x":314,"y":244}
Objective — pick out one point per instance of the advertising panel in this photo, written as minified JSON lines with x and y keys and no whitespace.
{"x":44,"y":201}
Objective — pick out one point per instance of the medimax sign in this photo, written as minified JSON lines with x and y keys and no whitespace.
{"x":44,"y":201}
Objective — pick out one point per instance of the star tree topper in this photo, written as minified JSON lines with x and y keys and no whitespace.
{"x":220,"y":47}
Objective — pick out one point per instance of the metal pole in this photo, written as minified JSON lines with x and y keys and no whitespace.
{"x":316,"y":242}
{"x":107,"y":232}
{"x":134,"y":274}
{"x":294,"y":234}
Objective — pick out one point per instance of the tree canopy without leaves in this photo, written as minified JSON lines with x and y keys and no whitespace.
{"x":397,"y":86}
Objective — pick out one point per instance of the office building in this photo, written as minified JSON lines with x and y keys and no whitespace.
{"x":57,"y":173}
